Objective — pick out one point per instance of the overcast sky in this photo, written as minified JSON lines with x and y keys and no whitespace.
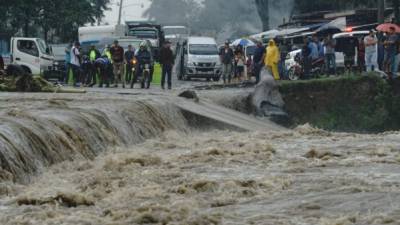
{"x":132,"y":10}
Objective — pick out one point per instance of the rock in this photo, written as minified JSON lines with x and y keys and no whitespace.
{"x":267,"y":99}
{"x":189,"y":94}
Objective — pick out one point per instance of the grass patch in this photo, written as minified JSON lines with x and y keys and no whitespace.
{"x":348,"y":103}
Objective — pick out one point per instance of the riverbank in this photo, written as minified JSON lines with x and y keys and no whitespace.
{"x":348,"y":103}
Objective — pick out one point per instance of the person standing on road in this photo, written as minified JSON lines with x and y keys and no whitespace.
{"x":240,"y":62}
{"x":349,"y":51}
{"x":283,"y":50}
{"x":390,"y":51}
{"x":93,"y":55}
{"x":226,"y":57}
{"x":76,"y":62}
{"x":129,"y":56}
{"x":117,"y":54}
{"x":395,"y":67}
{"x":1,"y":62}
{"x":259,"y":54}
{"x":306,"y":58}
{"x":330,"y":57}
{"x":371,"y":52}
{"x":272,"y":59}
{"x":361,"y":55}
{"x":167,"y":62}
{"x":67,"y":63}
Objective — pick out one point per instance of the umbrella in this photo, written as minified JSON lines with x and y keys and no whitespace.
{"x":325,"y":30}
{"x":386,"y":27}
{"x":243,"y":42}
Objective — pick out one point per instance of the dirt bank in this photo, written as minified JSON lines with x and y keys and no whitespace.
{"x":352,"y":104}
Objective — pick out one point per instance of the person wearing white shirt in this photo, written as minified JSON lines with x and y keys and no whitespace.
{"x":75,"y":62}
{"x":371,"y":52}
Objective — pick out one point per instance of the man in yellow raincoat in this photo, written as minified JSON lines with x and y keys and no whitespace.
{"x":272,"y":59}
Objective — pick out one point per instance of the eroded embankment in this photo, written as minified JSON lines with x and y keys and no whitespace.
{"x":362,"y":104}
{"x":352,"y":104}
{"x":38,"y":132}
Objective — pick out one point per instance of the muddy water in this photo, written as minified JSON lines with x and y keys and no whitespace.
{"x":187,"y":176}
{"x":304,"y":176}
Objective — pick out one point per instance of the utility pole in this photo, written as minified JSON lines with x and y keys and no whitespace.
{"x":381,"y":11}
{"x":396,"y":4}
{"x":120,"y":11}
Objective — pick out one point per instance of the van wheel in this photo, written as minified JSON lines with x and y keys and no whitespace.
{"x":208,"y":79}
{"x":216,"y":79}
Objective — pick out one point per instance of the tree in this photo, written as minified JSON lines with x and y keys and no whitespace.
{"x":184,"y":11}
{"x":43,"y":17}
{"x":396,"y":4}
{"x":263,"y":12}
{"x":99,"y":6}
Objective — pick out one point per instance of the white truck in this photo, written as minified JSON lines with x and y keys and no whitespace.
{"x":93,"y":35}
{"x":32,"y":54}
{"x":176,"y":34}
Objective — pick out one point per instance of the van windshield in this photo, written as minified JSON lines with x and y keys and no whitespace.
{"x":203,"y":49}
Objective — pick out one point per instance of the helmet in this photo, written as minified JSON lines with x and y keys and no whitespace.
{"x":143,"y":45}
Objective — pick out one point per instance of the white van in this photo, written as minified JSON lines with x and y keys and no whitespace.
{"x":32,"y":54}
{"x":201,"y":59}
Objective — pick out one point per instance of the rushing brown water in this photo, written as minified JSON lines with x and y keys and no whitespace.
{"x":187,"y":176}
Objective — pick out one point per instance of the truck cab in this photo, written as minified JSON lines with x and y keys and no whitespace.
{"x":147,"y":31}
{"x":32,"y":54}
{"x":176,"y":34}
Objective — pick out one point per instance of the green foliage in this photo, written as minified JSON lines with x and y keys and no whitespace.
{"x":59,"y":20}
{"x":351,"y":104}
{"x":233,"y":18}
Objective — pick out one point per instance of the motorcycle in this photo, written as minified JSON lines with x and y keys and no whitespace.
{"x":296,"y":72}
{"x":133,"y":63}
{"x":145,"y":77}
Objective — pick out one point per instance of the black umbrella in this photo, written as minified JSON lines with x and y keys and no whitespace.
{"x":328,"y":30}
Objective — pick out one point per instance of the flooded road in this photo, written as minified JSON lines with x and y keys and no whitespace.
{"x":181,"y":175}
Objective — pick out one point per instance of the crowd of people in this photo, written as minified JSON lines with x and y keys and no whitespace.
{"x":235,"y":63}
{"x":115,"y":65}
{"x":376,"y":51}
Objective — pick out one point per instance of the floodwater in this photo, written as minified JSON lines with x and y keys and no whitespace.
{"x":176,"y":174}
